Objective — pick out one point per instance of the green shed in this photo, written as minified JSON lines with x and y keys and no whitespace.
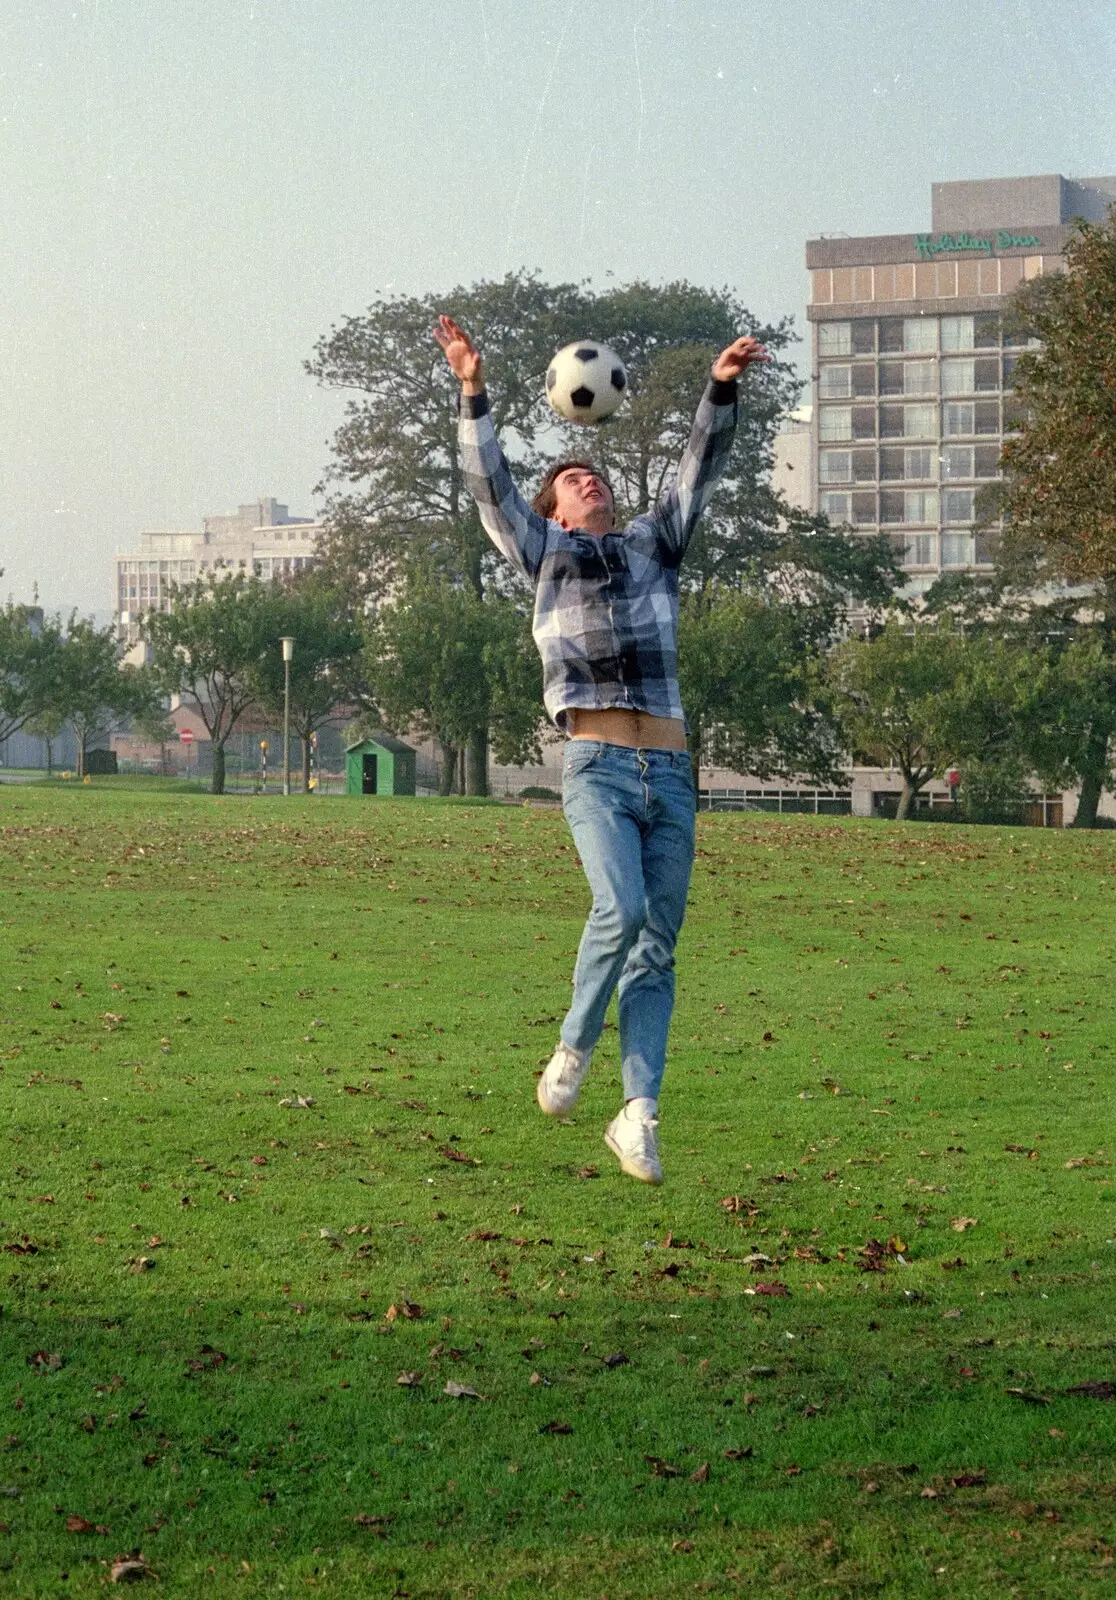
{"x":380,"y":765}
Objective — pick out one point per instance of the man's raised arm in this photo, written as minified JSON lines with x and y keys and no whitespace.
{"x":517,"y":532}
{"x":707,"y":453}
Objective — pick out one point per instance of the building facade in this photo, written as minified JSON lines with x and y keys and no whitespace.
{"x":261,"y":537}
{"x":913,"y":359}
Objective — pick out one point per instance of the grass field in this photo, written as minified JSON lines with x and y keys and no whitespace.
{"x":833,"y":1355}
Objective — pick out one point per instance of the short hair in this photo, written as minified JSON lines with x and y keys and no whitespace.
{"x":546,"y":499}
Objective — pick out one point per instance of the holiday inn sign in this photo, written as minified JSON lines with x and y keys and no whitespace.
{"x":928,"y":245}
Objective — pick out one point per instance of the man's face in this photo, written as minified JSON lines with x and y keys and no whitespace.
{"x":582,"y":500}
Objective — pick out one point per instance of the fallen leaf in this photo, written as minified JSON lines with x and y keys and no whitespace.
{"x":81,"y":1525}
{"x":556,"y":1427}
{"x":450,"y":1154}
{"x":377,"y":1524}
{"x":406,"y":1308}
{"x":537,"y":1378}
{"x":129,"y":1569}
{"x":661,"y":1468}
{"x":460,"y":1391}
{"x":739,"y":1455}
{"x":486,"y":1235}
{"x":618,"y":1359}
{"x":1071,"y":1166}
{"x":588,"y":1172}
{"x":1097,"y":1389}
{"x":298,"y":1102}
{"x":959,"y":1224}
{"x":701,"y":1475}
{"x":142,"y":1263}
{"x":44,"y":1361}
{"x":1031,"y":1398}
{"x":929,"y":1493}
{"x":682,"y":1547}
{"x":409,"y":1380}
{"x":777,"y":1290}
{"x":42,"y":1200}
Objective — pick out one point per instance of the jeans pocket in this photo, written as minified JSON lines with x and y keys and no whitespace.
{"x":579,"y":756}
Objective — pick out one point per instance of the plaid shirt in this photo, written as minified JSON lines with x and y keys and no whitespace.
{"x":606,"y":607}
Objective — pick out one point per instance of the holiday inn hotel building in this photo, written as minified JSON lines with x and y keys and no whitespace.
{"x":912,"y":360}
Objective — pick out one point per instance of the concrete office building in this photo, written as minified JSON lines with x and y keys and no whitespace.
{"x":912,"y":361}
{"x":260,"y":537}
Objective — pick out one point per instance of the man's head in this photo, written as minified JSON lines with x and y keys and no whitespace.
{"x":578,"y":495}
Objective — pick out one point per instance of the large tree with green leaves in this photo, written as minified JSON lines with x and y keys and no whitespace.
{"x":91,"y":688}
{"x":29,"y":643}
{"x":209,"y":648}
{"x":326,"y":659}
{"x":447,"y":661}
{"x":395,"y":487}
{"x":1058,"y":494}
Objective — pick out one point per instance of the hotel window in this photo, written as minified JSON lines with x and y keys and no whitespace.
{"x":918,"y":463}
{"x":957,"y":333}
{"x":837,"y":507}
{"x":916,"y":549}
{"x":835,"y":383}
{"x":920,"y":335}
{"x":835,"y":422}
{"x":957,"y":461}
{"x":920,"y":505}
{"x":835,"y":466}
{"x":957,"y":418}
{"x":919,"y":378}
{"x":834,"y":339}
{"x":958,"y":550}
{"x":958,"y":505}
{"x":920,"y":422}
{"x":958,"y":377}
{"x":987,"y":464}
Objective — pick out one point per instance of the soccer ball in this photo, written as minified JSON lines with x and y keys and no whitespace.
{"x":585,"y":382}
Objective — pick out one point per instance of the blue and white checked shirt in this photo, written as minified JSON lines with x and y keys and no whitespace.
{"x":606,"y":607}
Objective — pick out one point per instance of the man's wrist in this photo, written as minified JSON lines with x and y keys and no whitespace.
{"x":472,"y":386}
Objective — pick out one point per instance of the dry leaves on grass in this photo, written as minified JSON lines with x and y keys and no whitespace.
{"x":364,"y":1519}
{"x":409,"y":1380}
{"x":448,"y":1153}
{"x":408,"y":1309}
{"x":661,"y":1468}
{"x":130,"y":1569}
{"x":960,"y":1224}
{"x":44,"y":1361}
{"x":1097,"y":1389}
{"x":774,"y":1290}
{"x":83,"y":1525}
{"x":1029,"y":1396}
{"x":298,"y":1102}
{"x":461,"y":1391}
{"x":208,"y":1359}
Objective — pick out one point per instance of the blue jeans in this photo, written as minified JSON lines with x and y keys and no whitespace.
{"x":631,"y":813}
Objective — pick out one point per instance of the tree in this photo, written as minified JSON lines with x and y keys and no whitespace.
{"x":894,"y":696}
{"x":449,"y":662}
{"x":325,"y":661}
{"x":1059,"y":488}
{"x":28,"y":644}
{"x":209,"y":647}
{"x":395,"y":487}
{"x":90,"y":688}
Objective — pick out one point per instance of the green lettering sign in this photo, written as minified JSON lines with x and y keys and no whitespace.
{"x":928,"y":245}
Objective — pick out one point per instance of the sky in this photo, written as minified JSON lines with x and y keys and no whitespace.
{"x":195,"y":191}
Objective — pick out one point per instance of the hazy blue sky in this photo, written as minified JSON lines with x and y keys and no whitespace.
{"x":194,"y":190}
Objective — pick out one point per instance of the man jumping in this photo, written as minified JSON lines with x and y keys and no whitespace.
{"x":606,"y":622}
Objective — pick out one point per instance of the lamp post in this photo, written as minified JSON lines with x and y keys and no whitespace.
{"x":288,"y":651}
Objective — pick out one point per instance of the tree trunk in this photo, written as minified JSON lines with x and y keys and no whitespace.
{"x":906,"y":799}
{"x":305,"y":763}
{"x":447,"y":772}
{"x":1086,"y":815}
{"x":217,"y":786}
{"x":476,"y":762}
{"x":81,"y":756}
{"x":50,"y":755}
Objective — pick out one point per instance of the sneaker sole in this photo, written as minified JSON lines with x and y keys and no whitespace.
{"x":629,"y":1167}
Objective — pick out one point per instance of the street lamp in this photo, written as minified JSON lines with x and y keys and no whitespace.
{"x":288,"y":651}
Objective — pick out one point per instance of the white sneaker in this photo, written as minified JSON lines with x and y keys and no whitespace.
{"x":634,"y":1140}
{"x":560,"y":1084}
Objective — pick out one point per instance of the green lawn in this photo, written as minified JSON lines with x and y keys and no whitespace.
{"x":831,"y":1356}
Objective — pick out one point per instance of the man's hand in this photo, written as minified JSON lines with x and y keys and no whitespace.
{"x":461,"y":353}
{"x":741,"y":353}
